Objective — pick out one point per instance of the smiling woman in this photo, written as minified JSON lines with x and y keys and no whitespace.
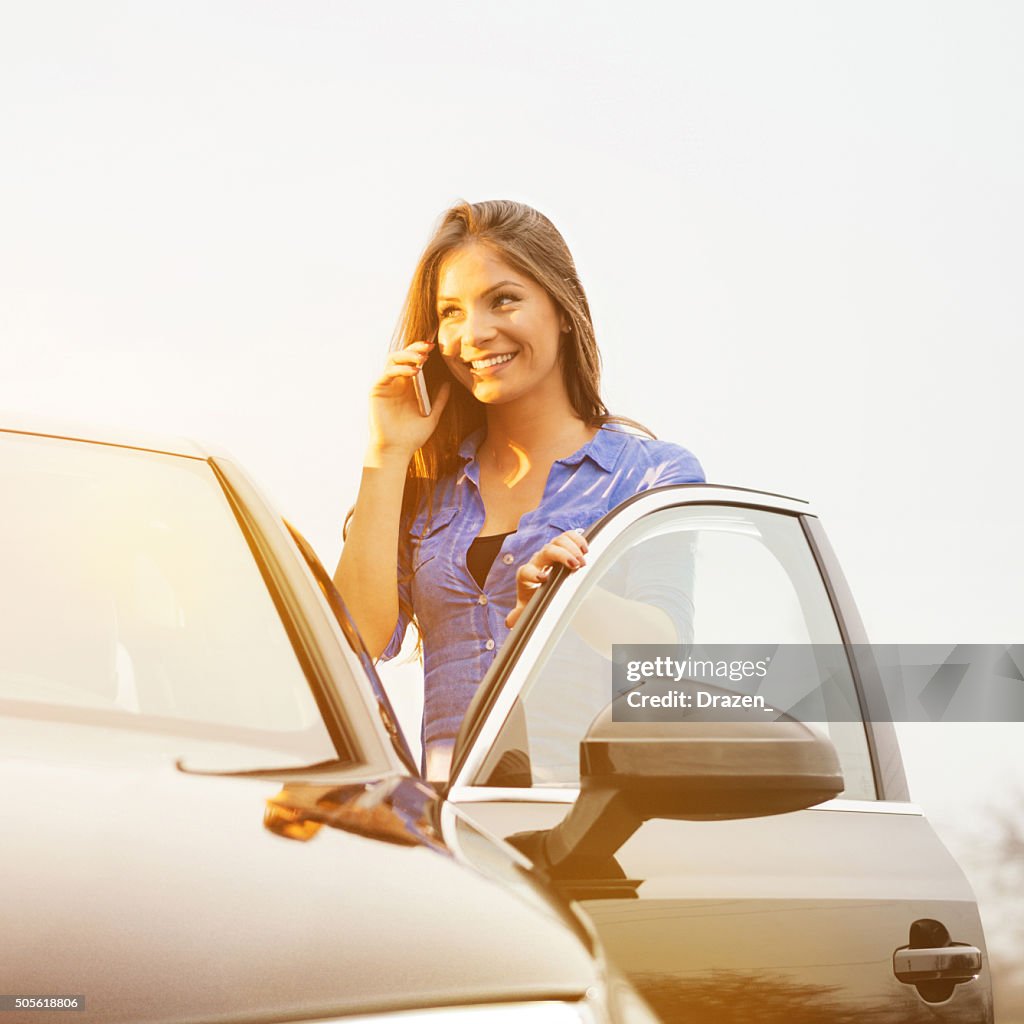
{"x":469,"y":498}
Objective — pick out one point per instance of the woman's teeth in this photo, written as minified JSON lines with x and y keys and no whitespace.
{"x":481,"y":364}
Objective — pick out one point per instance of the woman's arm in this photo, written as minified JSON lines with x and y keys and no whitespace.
{"x":604,"y":619}
{"x":367,"y":573}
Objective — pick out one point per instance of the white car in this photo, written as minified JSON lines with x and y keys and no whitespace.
{"x":212,"y":813}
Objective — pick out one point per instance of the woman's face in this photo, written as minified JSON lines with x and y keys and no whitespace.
{"x":499,"y":330}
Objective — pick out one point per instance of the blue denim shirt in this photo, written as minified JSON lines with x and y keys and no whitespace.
{"x":463,"y":625}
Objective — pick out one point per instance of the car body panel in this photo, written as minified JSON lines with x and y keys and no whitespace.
{"x":162,"y":895}
{"x":796,"y":915}
{"x":119,"y":437}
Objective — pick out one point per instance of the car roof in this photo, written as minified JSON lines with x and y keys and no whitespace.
{"x":123,"y":437}
{"x":129,"y":437}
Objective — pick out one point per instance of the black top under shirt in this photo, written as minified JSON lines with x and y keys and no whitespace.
{"x":481,"y":555}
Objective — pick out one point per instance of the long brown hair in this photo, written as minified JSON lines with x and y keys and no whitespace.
{"x":528,"y":241}
{"x":533,"y":245}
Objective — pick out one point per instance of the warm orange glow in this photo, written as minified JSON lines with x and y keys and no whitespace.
{"x":522,"y":467}
{"x":289,"y":822}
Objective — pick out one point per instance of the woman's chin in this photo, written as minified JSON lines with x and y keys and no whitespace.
{"x":490,"y":393}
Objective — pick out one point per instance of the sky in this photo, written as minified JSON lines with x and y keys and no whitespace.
{"x":800,"y":226}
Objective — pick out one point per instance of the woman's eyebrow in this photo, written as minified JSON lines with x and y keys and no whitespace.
{"x":493,"y":288}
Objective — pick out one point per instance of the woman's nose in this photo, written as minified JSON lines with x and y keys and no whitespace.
{"x":466,"y":334}
{"x":478,"y":334}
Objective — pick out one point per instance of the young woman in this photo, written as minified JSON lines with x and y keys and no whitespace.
{"x":462,"y":513}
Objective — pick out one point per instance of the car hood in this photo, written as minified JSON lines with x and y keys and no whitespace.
{"x":161,"y":895}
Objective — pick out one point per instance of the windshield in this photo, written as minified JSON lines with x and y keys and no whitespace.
{"x":130,"y":598}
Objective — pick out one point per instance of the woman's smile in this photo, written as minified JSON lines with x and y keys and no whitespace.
{"x":492,"y":363}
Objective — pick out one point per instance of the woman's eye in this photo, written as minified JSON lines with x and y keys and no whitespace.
{"x":447,"y":311}
{"x":505,"y":298}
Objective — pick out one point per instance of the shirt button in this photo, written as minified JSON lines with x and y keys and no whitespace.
{"x":482,"y":599}
{"x":489,"y":645}
{"x":507,"y":559}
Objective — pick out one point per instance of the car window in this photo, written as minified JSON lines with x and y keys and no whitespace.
{"x":693,"y":575}
{"x":131,"y":598}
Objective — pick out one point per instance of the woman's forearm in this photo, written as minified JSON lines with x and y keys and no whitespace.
{"x":604,"y":619}
{"x":367,"y":574}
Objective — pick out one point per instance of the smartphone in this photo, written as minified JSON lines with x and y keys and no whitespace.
{"x":419,"y":385}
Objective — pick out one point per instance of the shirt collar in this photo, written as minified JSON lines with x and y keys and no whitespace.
{"x":603,"y":448}
{"x":471,"y":444}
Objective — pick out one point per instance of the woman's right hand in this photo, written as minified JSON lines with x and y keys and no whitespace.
{"x":396,"y":425}
{"x":568,"y":549}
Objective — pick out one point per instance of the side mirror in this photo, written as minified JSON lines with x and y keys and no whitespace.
{"x":696,"y":769}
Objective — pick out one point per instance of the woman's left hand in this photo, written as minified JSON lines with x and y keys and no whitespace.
{"x":566,"y":549}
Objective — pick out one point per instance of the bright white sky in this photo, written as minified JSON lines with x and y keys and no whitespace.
{"x":801,"y":227}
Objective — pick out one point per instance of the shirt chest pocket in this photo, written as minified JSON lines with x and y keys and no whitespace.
{"x":574,"y":519}
{"x":433,"y":537}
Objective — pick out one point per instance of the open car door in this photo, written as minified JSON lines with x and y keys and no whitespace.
{"x":851,"y":909}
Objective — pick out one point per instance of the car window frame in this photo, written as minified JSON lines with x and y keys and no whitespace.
{"x":332,"y":665}
{"x":504,"y":682}
{"x":341,"y":616}
{"x":883,"y":743}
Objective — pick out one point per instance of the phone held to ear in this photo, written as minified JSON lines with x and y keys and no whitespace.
{"x":422,"y":398}
{"x":419,"y":385}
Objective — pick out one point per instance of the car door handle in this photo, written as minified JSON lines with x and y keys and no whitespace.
{"x":946,"y":963}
